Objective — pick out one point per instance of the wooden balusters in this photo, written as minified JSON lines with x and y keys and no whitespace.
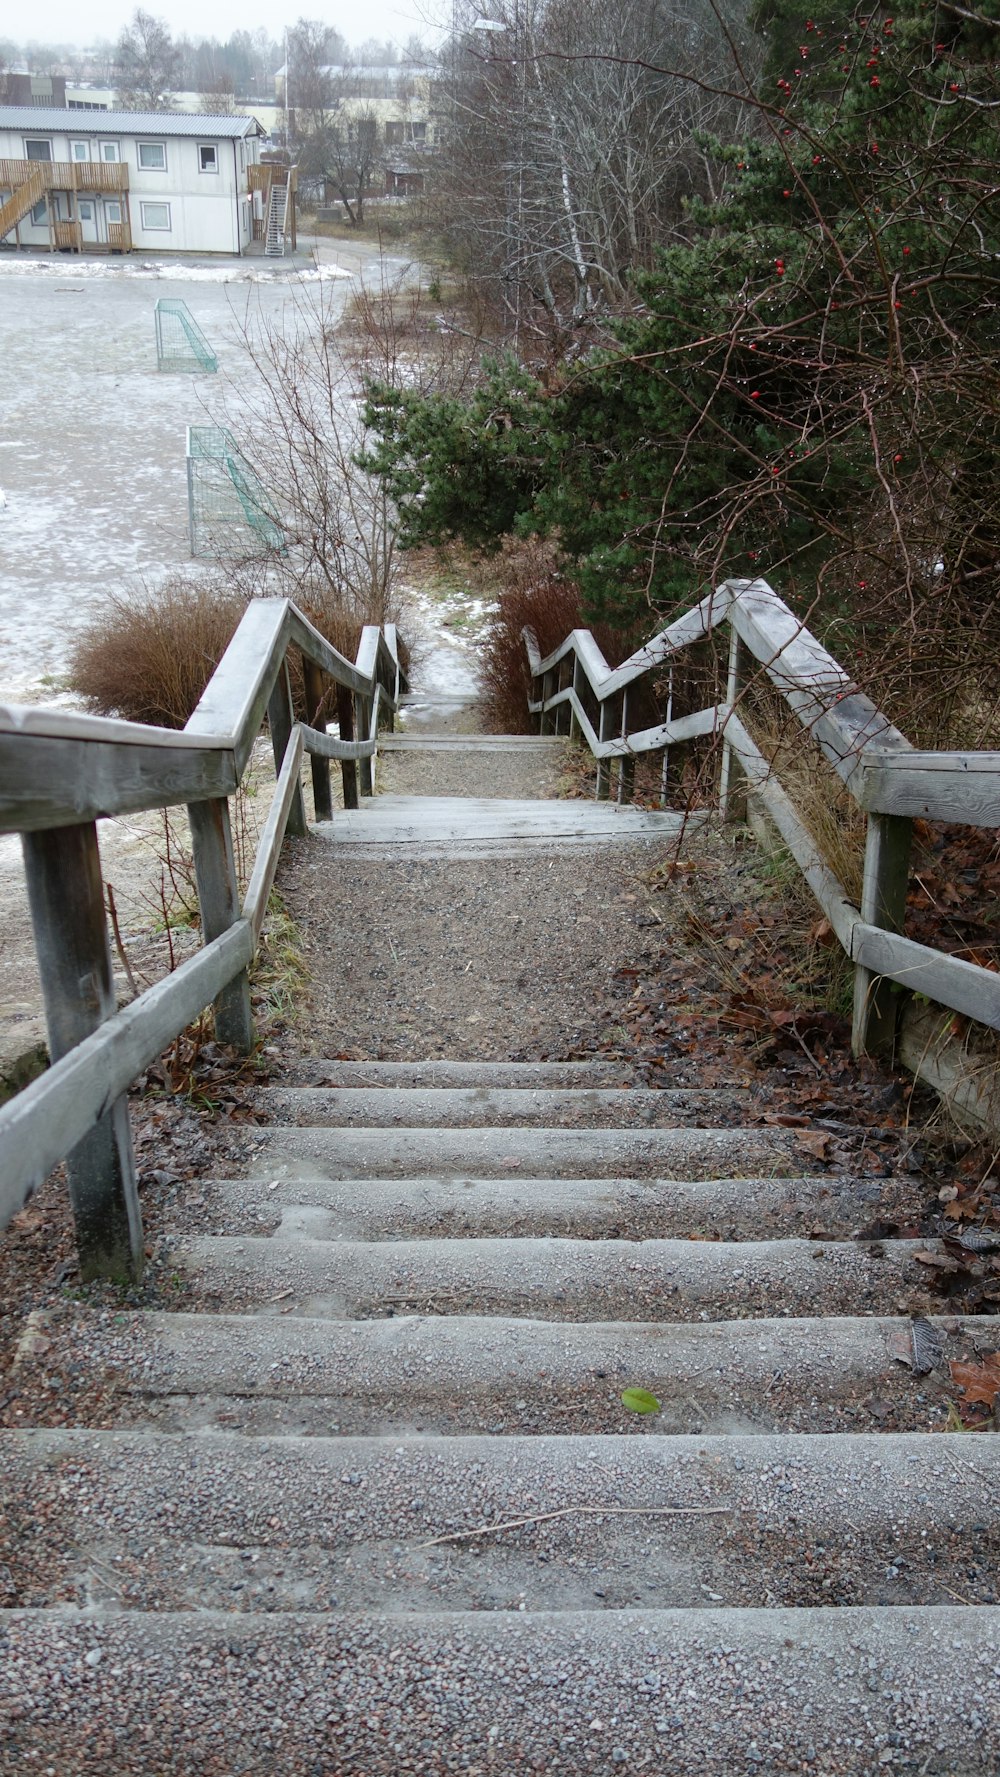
{"x":348,"y":767}
{"x":883,"y":903}
{"x":320,"y":767}
{"x":66,"y":897}
{"x":219,"y":906}
{"x":281,"y":721}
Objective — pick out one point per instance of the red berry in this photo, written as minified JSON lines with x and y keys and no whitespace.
{"x":755,"y":394}
{"x":906,"y":252}
{"x":874,"y":81}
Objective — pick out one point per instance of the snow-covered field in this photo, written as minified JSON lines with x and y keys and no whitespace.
{"x":92,"y":436}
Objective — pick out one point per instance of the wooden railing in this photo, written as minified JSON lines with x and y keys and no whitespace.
{"x":68,"y":234}
{"x":119,"y":237}
{"x":888,"y":778}
{"x":65,"y":175}
{"x":61,"y":773}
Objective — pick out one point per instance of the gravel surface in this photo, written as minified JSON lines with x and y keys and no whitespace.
{"x":769,"y":1692}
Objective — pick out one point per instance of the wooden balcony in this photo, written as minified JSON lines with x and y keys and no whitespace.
{"x":65,"y":175}
{"x":119,"y":237}
{"x":268,"y":173}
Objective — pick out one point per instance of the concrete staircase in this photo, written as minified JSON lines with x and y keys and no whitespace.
{"x":374,"y":1503}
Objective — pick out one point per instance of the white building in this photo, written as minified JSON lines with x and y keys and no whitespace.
{"x":112,"y":181}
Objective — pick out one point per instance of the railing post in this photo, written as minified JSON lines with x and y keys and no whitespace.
{"x":219,"y":906}
{"x":66,"y":897}
{"x":348,"y":767}
{"x":626,"y":764}
{"x":320,"y":767}
{"x":883,"y":903}
{"x":363,"y":722}
{"x":574,"y":724}
{"x":280,"y":721}
{"x":603,"y":788}
{"x":732,"y":778}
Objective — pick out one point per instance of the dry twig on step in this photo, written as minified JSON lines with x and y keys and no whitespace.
{"x":459,"y":1536}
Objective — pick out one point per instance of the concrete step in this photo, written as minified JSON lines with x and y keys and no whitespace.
{"x":315,"y":1071}
{"x":633,"y":1209}
{"x":557,"y":1279}
{"x":460,"y":1107}
{"x":538,"y":1153}
{"x":284,"y":1373}
{"x":769,"y":1691}
{"x":220,"y":1522}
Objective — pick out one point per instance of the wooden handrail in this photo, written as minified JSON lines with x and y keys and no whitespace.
{"x":61,"y":772}
{"x":886,"y":776}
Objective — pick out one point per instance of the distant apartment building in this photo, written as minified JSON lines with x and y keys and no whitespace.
{"x":114,"y":181}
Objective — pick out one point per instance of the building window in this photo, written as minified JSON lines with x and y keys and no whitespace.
{"x":39,"y":212}
{"x":109,"y":152}
{"x":393,"y":134}
{"x":243,"y":157}
{"x":80,"y":150}
{"x":208,"y":157}
{"x":85,"y":212}
{"x":246,"y":218}
{"x":153,"y":157}
{"x":37,"y":150}
{"x":112,"y":210}
{"x":155,"y":216}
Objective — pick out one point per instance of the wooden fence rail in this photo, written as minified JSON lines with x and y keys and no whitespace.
{"x":60,"y":774}
{"x":890,"y":780}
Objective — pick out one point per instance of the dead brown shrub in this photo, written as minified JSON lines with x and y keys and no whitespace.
{"x":151,"y":651}
{"x":530,"y":590}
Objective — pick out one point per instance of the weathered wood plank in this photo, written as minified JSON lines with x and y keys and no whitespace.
{"x":330,"y":747}
{"x":237,"y":694}
{"x":883,"y":903}
{"x":219,"y":907}
{"x":41,"y":721}
{"x":949,"y":980}
{"x":281,"y":721}
{"x":47,"y":1119}
{"x":319,"y":762}
{"x":933,"y":786}
{"x":66,"y":898}
{"x":349,"y":766}
{"x":322,"y":653}
{"x":275,"y":827}
{"x":732,"y":778}
{"x":60,"y":782}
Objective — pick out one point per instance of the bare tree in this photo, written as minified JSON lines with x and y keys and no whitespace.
{"x":147,"y":65}
{"x":573,"y":144}
{"x":345,"y":150}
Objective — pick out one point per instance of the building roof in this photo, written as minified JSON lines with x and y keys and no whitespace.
{"x":37,"y":119}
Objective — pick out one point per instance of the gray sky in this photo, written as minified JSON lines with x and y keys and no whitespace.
{"x":63,"y":21}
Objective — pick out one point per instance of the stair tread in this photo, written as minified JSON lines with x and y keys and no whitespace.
{"x":473,"y":1373}
{"x":540,"y":1150}
{"x":731,"y":1208}
{"x":637,"y":1687}
{"x":408,"y":1514}
{"x":559,"y":1277}
{"x":483,"y":1105}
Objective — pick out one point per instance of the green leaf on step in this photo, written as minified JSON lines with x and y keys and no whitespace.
{"x":639,"y":1400}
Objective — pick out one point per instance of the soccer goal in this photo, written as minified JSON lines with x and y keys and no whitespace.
{"x":180,"y":343}
{"x":229,"y":512}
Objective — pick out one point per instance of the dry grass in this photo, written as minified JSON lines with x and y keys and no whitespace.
{"x":823,"y":804}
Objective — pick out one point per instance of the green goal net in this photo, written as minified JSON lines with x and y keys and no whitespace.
{"x":230,"y":513}
{"x":180,"y":343}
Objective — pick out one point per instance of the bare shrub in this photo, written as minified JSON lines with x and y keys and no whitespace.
{"x":529,"y":590}
{"x":148,"y":655}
